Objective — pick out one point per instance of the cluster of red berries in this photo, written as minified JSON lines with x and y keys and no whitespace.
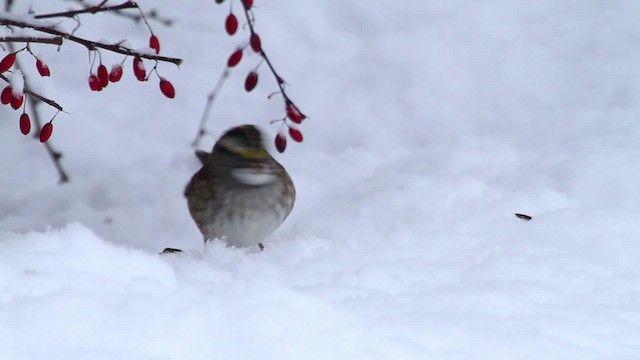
{"x":295,"y":116}
{"x":101,"y":78}
{"x":15,"y":97}
{"x":97,"y":81}
{"x":251,"y":80}
{"x":231,"y":26}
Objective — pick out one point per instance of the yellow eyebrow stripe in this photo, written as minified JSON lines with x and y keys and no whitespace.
{"x":252,"y":154}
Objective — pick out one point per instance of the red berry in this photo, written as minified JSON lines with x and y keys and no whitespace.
{"x":43,"y":69}
{"x":116,"y":73}
{"x":6,"y":95}
{"x":138,"y":69}
{"x":235,"y":58}
{"x":256,"y":44}
{"x":94,"y":83}
{"x":281,"y":142}
{"x":167,"y":88}
{"x":154,"y":43}
{"x":251,"y":81}
{"x":295,"y":134}
{"x":231,"y":24}
{"x":103,"y":76}
{"x":7,"y":62}
{"x":294,"y":114}
{"x":25,"y":124}
{"x":248,"y":3}
{"x":16,"y":101}
{"x":45,"y":132}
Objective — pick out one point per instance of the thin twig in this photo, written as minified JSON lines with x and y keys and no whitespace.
{"x":56,"y":40}
{"x":32,"y":93}
{"x":207,"y":108}
{"x":53,"y":154}
{"x":150,"y":15}
{"x":90,"y":45}
{"x":212,"y":95}
{"x":281,"y":83}
{"x":89,"y":10}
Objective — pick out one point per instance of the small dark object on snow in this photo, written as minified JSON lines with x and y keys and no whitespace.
{"x":523,"y":217}
{"x":170,"y":251}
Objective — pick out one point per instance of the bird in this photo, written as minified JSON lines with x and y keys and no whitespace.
{"x":241,"y":194}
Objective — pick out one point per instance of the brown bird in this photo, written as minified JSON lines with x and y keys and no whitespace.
{"x":241,"y":194}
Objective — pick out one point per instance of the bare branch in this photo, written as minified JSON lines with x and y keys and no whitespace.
{"x":43,"y":99}
{"x":90,"y":45}
{"x":281,"y":83}
{"x":56,"y":40}
{"x":36,"y":95}
{"x":89,"y":10}
{"x":151,"y":14}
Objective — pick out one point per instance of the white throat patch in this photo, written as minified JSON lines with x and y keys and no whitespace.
{"x":253,"y":177}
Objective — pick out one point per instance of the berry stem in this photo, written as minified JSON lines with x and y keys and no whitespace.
{"x":279,"y":80}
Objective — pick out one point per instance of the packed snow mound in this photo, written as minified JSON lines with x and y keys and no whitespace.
{"x":520,"y":294}
{"x":68,"y":292}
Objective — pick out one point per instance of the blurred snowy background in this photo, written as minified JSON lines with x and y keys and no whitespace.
{"x":431,"y":124}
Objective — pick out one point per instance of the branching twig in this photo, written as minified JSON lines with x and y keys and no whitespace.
{"x":89,"y":10}
{"x":34,"y":99}
{"x":56,"y":40}
{"x":32,"y":93}
{"x":90,"y":45}
{"x":281,"y":83}
{"x":151,"y":14}
{"x":289,"y":105}
{"x":53,"y":154}
{"x":207,"y":108}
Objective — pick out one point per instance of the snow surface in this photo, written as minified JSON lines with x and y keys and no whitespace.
{"x":431,"y":124}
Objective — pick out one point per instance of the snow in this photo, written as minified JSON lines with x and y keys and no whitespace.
{"x":27,"y":19}
{"x":16,"y":80}
{"x":24,"y":32}
{"x":429,"y":126}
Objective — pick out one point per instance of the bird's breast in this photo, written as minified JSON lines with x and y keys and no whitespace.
{"x":248,"y":216}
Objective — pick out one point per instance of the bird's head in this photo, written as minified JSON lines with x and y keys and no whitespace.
{"x":242,"y":154}
{"x":244,"y":142}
